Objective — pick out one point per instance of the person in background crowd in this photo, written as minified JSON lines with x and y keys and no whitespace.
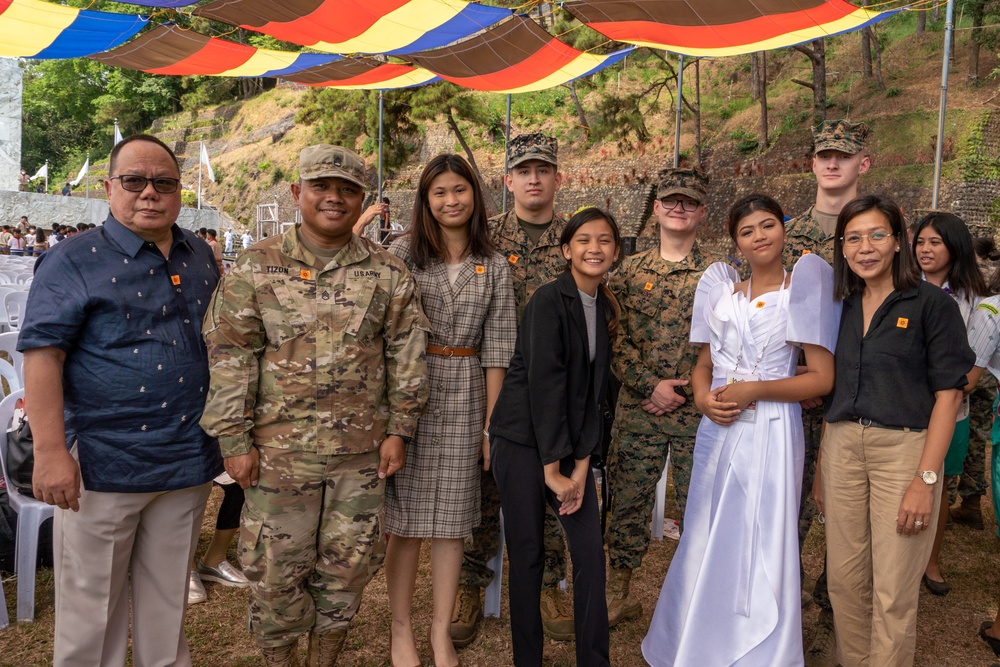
{"x":731,"y":595}
{"x":41,"y":245}
{"x":213,"y":243}
{"x":66,"y":192}
{"x":943,"y":249}
{"x":889,"y":421}
{"x":131,"y":489}
{"x":229,"y":237}
{"x":653,"y":360}
{"x":55,"y":237}
{"x":313,"y":406}
{"x":528,"y":236}
{"x":467,"y":295}
{"x":5,"y":236}
{"x":23,"y":224}
{"x":372,"y":213}
{"x":23,"y":181}
{"x":16,"y":242}
{"x":246,"y":239}
{"x":547,"y":426}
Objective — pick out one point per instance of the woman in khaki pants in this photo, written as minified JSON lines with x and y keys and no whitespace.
{"x":901,"y":361}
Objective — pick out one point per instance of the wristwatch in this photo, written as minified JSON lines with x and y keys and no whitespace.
{"x":407,"y":440}
{"x":928,"y":477}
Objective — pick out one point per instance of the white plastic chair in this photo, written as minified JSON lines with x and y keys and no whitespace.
{"x":31,"y":514}
{"x":491,"y":606}
{"x":8,"y":344}
{"x":15,"y":303}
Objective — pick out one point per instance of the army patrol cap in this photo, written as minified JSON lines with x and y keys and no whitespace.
{"x":534,"y":146}
{"x":839,"y":135}
{"x":326,"y":161}
{"x":691,"y":182}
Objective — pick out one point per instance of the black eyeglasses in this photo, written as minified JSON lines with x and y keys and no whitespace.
{"x":133,"y":183}
{"x":669,"y":204}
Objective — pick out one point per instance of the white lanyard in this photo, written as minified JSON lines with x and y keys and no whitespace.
{"x":746,"y":320}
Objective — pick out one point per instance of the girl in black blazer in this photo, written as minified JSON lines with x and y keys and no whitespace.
{"x":546,"y":425}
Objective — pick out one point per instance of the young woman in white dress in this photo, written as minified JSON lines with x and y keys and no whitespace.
{"x":731,"y":595}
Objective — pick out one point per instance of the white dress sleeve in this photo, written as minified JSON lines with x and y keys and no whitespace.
{"x":813,"y":312}
{"x":717,"y":273}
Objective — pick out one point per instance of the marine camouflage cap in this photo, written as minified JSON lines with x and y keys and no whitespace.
{"x":691,"y":182}
{"x":839,"y":135}
{"x":326,"y":161}
{"x":535,"y":146}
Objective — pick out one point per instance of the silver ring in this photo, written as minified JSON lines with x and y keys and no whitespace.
{"x":918,"y":523}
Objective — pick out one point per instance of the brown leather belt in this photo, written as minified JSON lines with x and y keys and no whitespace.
{"x":443,"y":351}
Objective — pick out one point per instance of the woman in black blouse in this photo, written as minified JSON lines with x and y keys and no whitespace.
{"x":546,"y":426}
{"x":901,"y":361}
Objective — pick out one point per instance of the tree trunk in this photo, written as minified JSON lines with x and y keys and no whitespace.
{"x":457,"y":131}
{"x":697,"y":112}
{"x":921,"y":22}
{"x":581,"y":116}
{"x":936,"y":13}
{"x":763,"y":101}
{"x":754,"y":77}
{"x":866,"y":53}
{"x":976,"y":39}
{"x":878,"y":61}
{"x":817,"y":55}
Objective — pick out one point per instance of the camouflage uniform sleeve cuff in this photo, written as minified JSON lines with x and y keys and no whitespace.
{"x":235,"y":445}
{"x":402,"y":426}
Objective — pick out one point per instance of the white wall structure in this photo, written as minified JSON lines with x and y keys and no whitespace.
{"x":45,"y":210}
{"x":10,"y":123}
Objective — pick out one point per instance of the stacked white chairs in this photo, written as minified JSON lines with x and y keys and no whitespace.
{"x":8,"y":344}
{"x":15,"y":303}
{"x":31,"y":514}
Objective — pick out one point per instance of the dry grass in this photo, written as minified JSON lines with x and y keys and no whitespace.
{"x":217,"y":632}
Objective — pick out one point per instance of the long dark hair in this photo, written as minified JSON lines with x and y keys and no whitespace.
{"x":750,"y":204}
{"x":905,"y":274}
{"x":963,"y":273}
{"x":426,"y":240}
{"x":613,"y":313}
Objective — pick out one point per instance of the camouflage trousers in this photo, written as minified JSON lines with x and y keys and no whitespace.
{"x":973,"y":479}
{"x":310,"y":540}
{"x":635,"y":465}
{"x":486,"y":542}
{"x":812,"y":426}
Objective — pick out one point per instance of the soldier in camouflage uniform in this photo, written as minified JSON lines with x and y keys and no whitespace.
{"x":839,"y":160}
{"x":317,"y":343}
{"x":653,"y":360}
{"x":528,"y":236}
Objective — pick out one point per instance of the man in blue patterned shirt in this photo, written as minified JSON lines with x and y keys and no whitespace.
{"x":113,"y":355}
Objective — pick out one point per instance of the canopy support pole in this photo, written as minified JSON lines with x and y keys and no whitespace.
{"x":201,"y":163}
{"x":949,"y":28}
{"x":680,"y":108}
{"x":381,"y":109}
{"x":506,"y":145}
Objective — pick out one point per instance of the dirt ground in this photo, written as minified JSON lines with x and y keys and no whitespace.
{"x":217,"y":630}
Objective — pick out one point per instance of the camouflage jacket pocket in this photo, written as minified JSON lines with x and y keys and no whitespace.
{"x":291,"y":315}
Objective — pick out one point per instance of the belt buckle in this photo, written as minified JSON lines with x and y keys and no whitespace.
{"x":862,"y":420}
{"x":450,"y":351}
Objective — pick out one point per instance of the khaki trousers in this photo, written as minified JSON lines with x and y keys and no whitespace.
{"x":874,"y":573}
{"x":146,"y":539}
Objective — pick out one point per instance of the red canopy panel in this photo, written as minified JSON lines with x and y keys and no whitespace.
{"x":720,"y":27}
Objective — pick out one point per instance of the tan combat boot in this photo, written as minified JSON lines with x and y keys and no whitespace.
{"x":468,"y":612}
{"x":280,"y":656}
{"x":621,"y":605}
{"x":324,"y":647}
{"x":557,"y":615}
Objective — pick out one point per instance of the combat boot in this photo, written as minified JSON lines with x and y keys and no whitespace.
{"x":324,"y":647}
{"x":280,"y":656}
{"x":969,"y":513}
{"x":557,"y":615}
{"x":468,"y":612}
{"x":621,"y":605}
{"x":823,"y":652}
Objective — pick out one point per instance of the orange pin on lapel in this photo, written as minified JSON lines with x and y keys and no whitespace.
{"x":902,"y":323}
{"x":175,"y":279}
{"x":513,"y":259}
{"x":305,"y":274}
{"x":647,"y":286}
{"x":480,"y":269}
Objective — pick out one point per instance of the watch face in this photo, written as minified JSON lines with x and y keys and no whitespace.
{"x":929,"y":477}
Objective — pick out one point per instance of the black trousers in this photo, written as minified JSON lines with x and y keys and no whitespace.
{"x":523,"y":496}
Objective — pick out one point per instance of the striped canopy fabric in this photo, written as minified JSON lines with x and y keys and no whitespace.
{"x":716,"y":28}
{"x":167,"y":49}
{"x":171,"y":50}
{"x":516,"y":56}
{"x":36,"y":29}
{"x":388,"y":27}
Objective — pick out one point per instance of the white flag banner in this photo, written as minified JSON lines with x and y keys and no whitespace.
{"x":208,"y":165}
{"x":42,"y":172}
{"x":83,"y":172}
{"x":118,"y":134}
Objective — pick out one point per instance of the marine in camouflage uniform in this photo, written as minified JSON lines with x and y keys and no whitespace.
{"x":656,"y":298}
{"x":318,"y":368}
{"x":532,"y":264}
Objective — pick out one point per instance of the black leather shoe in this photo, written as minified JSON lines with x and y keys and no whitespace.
{"x":992,"y":641}
{"x":937,"y":587}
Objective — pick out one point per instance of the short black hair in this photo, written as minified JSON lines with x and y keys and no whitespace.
{"x":138,"y":137}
